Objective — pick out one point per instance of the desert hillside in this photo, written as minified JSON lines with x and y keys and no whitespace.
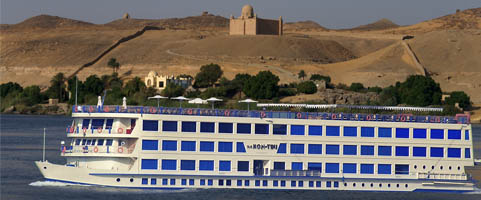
{"x":378,"y":25}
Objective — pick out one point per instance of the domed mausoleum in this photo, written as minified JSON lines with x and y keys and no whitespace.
{"x":249,"y":24}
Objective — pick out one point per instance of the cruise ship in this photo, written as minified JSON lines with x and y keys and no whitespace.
{"x":182,"y":148}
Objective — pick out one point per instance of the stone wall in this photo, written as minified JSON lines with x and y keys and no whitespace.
{"x":267,"y":27}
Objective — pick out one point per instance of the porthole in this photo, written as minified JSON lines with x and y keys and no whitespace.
{"x":372,"y":185}
{"x":44,"y":167}
{"x":459,"y":168}
{"x":441,"y":167}
{"x":353,"y":184}
{"x":345,"y":184}
{"x":424,"y":166}
{"x":406,"y":185}
{"x":397,"y":185}
{"x":415,"y":166}
{"x":380,"y":184}
{"x":389,"y":185}
{"x":432,"y":167}
{"x":131,"y":180}
{"x":118,"y":179}
{"x":362,"y":184}
{"x":450,"y":167}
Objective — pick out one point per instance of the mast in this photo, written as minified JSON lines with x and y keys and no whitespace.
{"x":43,"y":157}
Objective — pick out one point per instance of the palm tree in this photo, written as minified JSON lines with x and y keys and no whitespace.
{"x":58,"y":85}
{"x":113,"y":64}
{"x":302,"y":74}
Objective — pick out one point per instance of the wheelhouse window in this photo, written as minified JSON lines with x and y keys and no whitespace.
{"x":109,"y":123}
{"x":85,"y":123}
{"x":97,"y":123}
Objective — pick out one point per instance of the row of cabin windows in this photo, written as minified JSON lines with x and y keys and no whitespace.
{"x":93,"y":142}
{"x":295,"y":148}
{"x":314,"y":130}
{"x":97,"y":123}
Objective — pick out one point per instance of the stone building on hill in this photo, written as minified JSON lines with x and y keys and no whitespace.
{"x":159,"y":82}
{"x":249,"y":24}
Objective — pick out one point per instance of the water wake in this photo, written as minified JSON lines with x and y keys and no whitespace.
{"x":52,"y":184}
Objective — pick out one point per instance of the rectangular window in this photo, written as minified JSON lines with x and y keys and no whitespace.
{"x":293,"y":183}
{"x":437,"y":133}
{"x":207,"y":127}
{"x":297,"y":130}
{"x":85,"y":123}
{"x":314,"y":166}
{"x":437,"y":152}
{"x":101,"y":143}
{"x":419,"y":133}
{"x":206,"y":165}
{"x":332,"y":149}
{"x":225,"y":147}
{"x":97,"y":123}
{"x":384,"y":132}
{"x":239,"y":183}
{"x":350,"y":131}
{"x":367,"y":168}
{"x":187,"y":165}
{"x":315,"y":130}
{"x":467,"y":153}
{"x":282,"y":148}
{"x":243,"y":166}
{"x":153,"y":181}
{"x":367,"y":131}
{"x":264,"y":183}
{"x":296,"y":166}
{"x":224,"y":165}
{"x":149,"y":164}
{"x":206,"y":146}
{"x":169,"y":126}
{"x":419,"y":151}
{"x":279,"y":166}
{"x":210,"y":182}
{"x":297,"y":148}
{"x":401,"y":169}
{"x":314,"y":148}
{"x":240,"y":148}
{"x":402,"y":151}
{"x":187,"y":145}
{"x":384,"y":150}
{"x":243,"y":128}
{"x":149,"y":144}
{"x":454,"y":152}
{"x":145,"y":181}
{"x":384,"y":168}
{"x":225,"y":127}
{"x":184,"y":181}
{"x":332,"y":167}
{"x":349,"y":168}
{"x":349,"y":150}
{"x":279,"y":129}
{"x":191,"y":181}
{"x":150,"y":125}
{"x":261,"y":128}
{"x":466,"y":134}
{"x":165,"y":181}
{"x":188,"y":127}
{"x":454,"y":134}
{"x":108,"y":123}
{"x":172,"y":181}
{"x":108,"y":142}
{"x":402,"y":132}
{"x":283,"y":183}
{"x":332,"y":130}
{"x":367,"y":150}
{"x":169,"y":145}
{"x":328,"y":184}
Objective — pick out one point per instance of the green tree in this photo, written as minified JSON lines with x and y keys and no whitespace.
{"x":94,"y":85}
{"x":173,"y":90}
{"x":133,"y":86}
{"x":264,"y":85}
{"x":57,"y":88}
{"x":302,"y":74}
{"x":9,"y":87}
{"x":208,"y":75}
{"x":307,"y":87}
{"x":419,"y":90}
{"x":318,"y":77}
{"x":375,"y":89}
{"x":31,"y":95}
{"x":114,"y":64}
{"x":459,"y":97}
{"x":388,"y":96}
{"x":356,"y":87}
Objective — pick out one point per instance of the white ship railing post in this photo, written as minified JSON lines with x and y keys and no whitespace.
{"x":43,"y":154}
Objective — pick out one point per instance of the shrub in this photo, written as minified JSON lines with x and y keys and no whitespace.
{"x":307,"y":87}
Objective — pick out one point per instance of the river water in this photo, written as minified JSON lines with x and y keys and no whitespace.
{"x":21,"y":145}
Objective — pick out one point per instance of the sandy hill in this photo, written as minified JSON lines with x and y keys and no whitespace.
{"x":378,"y":25}
{"x":193,"y":22}
{"x":50,"y":22}
{"x":303,"y":25}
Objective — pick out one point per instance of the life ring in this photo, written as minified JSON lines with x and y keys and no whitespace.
{"x":189,"y":111}
{"x":263,"y":114}
{"x":120,"y":130}
{"x":106,"y":109}
{"x":85,"y":130}
{"x":68,"y":130}
{"x":99,"y":130}
{"x":120,"y":150}
{"x":71,"y":129}
{"x":299,"y":115}
{"x":226,"y":113}
{"x":75,"y":109}
{"x":438,"y":119}
{"x":96,"y":149}
{"x":333,"y":116}
{"x":403,"y":118}
{"x":152,"y":110}
{"x":368,"y":117}
{"x":91,"y":109}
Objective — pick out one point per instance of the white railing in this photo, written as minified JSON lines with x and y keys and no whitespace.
{"x":99,"y":131}
{"x":442,"y":176}
{"x":98,"y":149}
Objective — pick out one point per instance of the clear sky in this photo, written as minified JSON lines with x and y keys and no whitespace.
{"x":328,"y":13}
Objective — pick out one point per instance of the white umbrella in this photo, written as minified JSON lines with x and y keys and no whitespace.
{"x":248,"y":101}
{"x":198,"y":101}
{"x":213,"y":99}
{"x":180,"y":98}
{"x":158,"y":97}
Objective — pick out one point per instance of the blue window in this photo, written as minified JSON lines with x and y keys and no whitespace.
{"x":225,"y":127}
{"x":202,"y":181}
{"x":314,"y":148}
{"x":467,"y":153}
{"x":384,"y":150}
{"x":169,"y":126}
{"x":282,"y":148}
{"x":283,"y":183}
{"x":466,"y":134}
{"x":172,"y":181}
{"x":297,"y":129}
{"x":239,"y":183}
{"x":332,"y":130}
{"x":402,"y":151}
{"x":206,"y":165}
{"x":207,"y":127}
{"x":367,"y":168}
{"x":97,"y":123}
{"x":336,"y":184}
{"x":293,"y":183}
{"x":165,"y":181}
{"x":224,"y":165}
{"x":297,"y":148}
{"x":184,"y":181}
{"x":437,"y":152}
{"x":437,"y":134}
{"x":454,"y":152}
{"x":401,"y":169}
{"x":258,"y":183}
{"x":349,"y":168}
{"x":188,"y":127}
{"x":153,"y":181}
{"x":318,"y":183}
{"x":367,"y":131}
{"x":145,"y":181}
{"x":314,"y":166}
{"x":169,"y":164}
{"x":149,"y":164}
{"x":328,"y":183}
{"x":349,"y":150}
{"x":261,"y":128}
{"x":225,"y":147}
{"x":454,"y":134}
{"x":240,"y":148}
{"x":332,"y":167}
{"x":300,"y":183}
{"x":210,"y":182}
{"x":350,"y":131}
{"x":169,"y":145}
{"x":296,"y":165}
{"x":150,"y":144}
{"x":279,"y":129}
{"x":384,"y":168}
{"x":275,"y":183}
{"x":243,"y":128}
{"x":419,"y":133}
{"x":191,"y":181}
{"x":149,"y":125}
{"x":385,"y":132}
{"x":108,"y":123}
{"x":246,"y":183}
{"x":187,"y":146}
{"x":279,"y":166}
{"x":402,"y":132}
{"x":367,"y":150}
{"x":419,"y":151}
{"x":332,"y":149}
{"x":187,"y":165}
{"x":85,"y":123}
{"x":264,"y":183}
{"x":243,"y":166}
{"x":206,"y":146}
{"x":315,"y":130}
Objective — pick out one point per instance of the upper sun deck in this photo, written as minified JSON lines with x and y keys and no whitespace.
{"x":404,"y":118}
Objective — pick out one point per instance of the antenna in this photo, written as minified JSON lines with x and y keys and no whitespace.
{"x":43,"y":157}
{"x":76,"y":89}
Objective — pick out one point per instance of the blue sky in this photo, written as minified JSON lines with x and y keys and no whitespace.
{"x":328,"y":13}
